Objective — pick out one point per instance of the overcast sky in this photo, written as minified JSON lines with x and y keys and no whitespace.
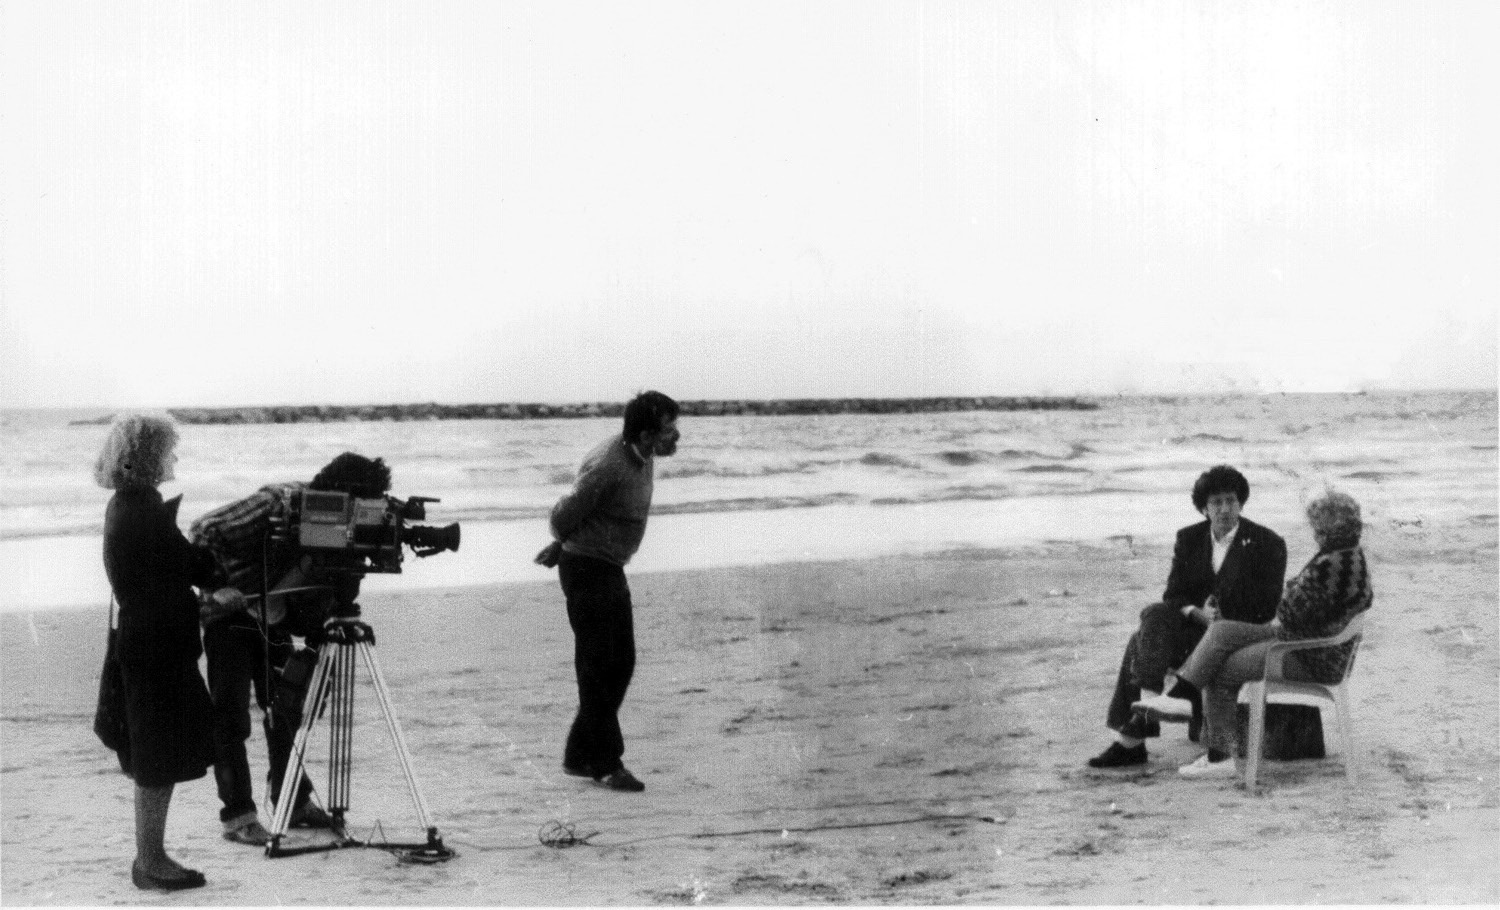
{"x":348,"y":202}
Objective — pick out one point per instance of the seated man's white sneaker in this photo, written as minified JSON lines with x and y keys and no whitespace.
{"x":1165,"y":707}
{"x":1205,"y":768}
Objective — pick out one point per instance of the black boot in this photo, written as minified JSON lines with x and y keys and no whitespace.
{"x":1118,"y":756}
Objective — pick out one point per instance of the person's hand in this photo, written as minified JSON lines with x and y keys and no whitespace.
{"x":219,"y":604}
{"x":1211,"y":608}
{"x":549,"y":554}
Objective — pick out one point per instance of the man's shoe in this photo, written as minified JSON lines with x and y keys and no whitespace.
{"x":1165,"y":707}
{"x":1140,"y":726}
{"x":178,"y":881}
{"x":253,"y":834}
{"x":1118,"y":756}
{"x":1205,"y":768}
{"x":309,"y":815}
{"x":620,"y":779}
{"x":578,"y":770}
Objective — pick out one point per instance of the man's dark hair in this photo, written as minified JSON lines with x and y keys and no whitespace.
{"x":355,"y":475}
{"x":1220,"y":479}
{"x":646,"y":413}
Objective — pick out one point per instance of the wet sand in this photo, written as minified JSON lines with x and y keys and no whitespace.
{"x":902,"y":730}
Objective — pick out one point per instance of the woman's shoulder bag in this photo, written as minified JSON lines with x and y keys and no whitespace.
{"x":110,"y":723}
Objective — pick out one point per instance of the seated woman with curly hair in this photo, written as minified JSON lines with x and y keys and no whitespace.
{"x":152,"y":569}
{"x":1331,"y":589}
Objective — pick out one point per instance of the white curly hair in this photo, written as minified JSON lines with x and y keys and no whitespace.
{"x":1335,"y":519}
{"x":137,"y":452}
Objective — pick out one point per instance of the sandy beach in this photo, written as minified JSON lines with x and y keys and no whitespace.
{"x":954,"y":300}
{"x":905,"y":730}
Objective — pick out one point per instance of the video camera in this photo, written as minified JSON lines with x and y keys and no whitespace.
{"x":346,"y":533}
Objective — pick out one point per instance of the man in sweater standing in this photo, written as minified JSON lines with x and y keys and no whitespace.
{"x":596,"y":529}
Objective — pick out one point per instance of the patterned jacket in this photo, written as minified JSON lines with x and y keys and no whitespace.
{"x":1331,"y":589}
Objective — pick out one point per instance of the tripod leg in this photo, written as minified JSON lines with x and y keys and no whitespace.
{"x":312,"y":706}
{"x":341,"y":735}
{"x":398,"y":740}
{"x":333,"y":678}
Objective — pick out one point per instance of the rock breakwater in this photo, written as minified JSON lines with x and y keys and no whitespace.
{"x":537,"y":411}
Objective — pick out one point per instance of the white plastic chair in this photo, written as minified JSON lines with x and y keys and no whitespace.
{"x":1273,"y":684}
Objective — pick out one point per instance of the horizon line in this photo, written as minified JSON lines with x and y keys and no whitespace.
{"x":1064,"y":396}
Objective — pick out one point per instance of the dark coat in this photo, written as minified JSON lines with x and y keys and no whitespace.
{"x":152,"y":569}
{"x":1248,"y":584}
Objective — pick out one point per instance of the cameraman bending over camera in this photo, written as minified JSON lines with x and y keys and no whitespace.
{"x":243,"y":655}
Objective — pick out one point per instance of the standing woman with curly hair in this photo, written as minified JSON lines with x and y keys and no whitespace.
{"x":152,"y":569}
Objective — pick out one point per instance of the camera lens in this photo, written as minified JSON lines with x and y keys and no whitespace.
{"x":428,"y":537}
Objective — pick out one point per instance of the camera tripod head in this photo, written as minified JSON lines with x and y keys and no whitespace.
{"x":347,"y":630}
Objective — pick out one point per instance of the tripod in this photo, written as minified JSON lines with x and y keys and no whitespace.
{"x":332,"y":688}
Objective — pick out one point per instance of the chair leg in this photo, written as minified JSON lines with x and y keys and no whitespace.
{"x":1346,"y":736}
{"x":1256,"y":728}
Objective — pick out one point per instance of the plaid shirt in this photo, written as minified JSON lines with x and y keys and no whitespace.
{"x":236,"y":535}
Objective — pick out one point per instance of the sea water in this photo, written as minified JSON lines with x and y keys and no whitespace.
{"x":746,"y":490}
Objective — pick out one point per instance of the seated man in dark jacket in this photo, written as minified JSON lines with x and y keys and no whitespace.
{"x":1225,"y":567}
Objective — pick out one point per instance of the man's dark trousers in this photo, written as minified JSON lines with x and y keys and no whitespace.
{"x":236,"y":664}
{"x":603,"y":657}
{"x":1163,"y":642}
